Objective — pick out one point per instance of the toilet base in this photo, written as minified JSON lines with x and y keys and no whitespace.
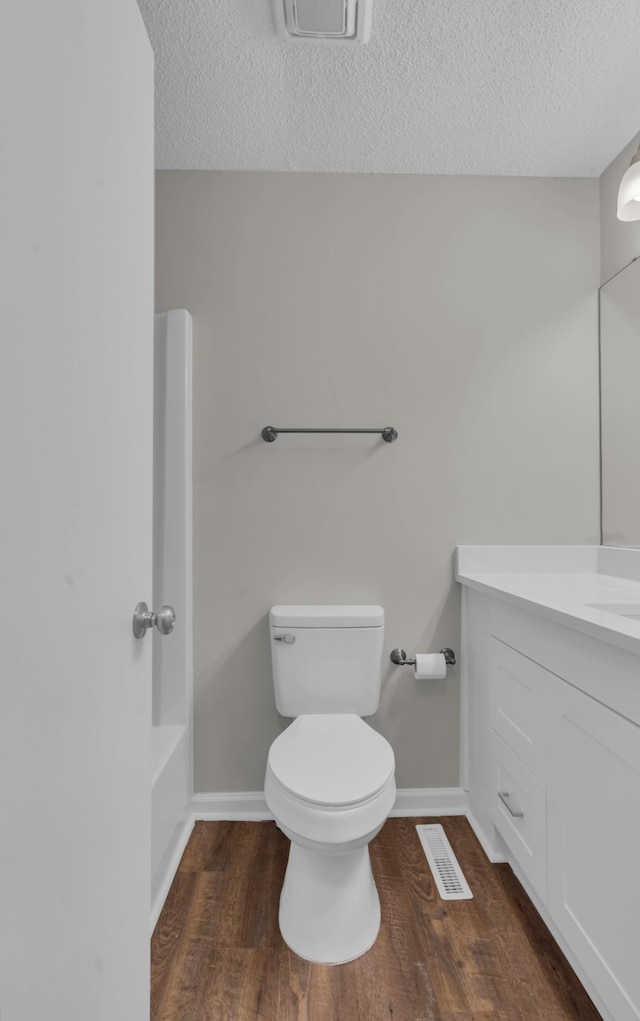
{"x":329,"y":906}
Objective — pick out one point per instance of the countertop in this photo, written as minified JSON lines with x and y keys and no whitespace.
{"x":562,"y":584}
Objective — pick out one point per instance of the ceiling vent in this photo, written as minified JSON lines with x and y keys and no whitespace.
{"x":323,"y":21}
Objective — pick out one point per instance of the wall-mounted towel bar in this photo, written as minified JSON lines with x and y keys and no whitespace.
{"x":270,"y":432}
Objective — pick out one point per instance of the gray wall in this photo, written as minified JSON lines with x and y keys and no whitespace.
{"x":459,"y":310}
{"x":619,"y":240}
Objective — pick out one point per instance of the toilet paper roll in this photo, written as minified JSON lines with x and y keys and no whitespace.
{"x":430,"y":665}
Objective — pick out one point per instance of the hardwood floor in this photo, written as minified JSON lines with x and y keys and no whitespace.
{"x":217,"y":952}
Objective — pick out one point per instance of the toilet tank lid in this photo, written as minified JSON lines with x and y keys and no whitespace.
{"x":326,"y":616}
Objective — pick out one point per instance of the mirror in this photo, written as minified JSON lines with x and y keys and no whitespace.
{"x":620,"y":406}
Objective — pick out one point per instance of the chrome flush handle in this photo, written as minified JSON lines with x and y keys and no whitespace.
{"x":513,"y":812}
{"x":287,"y":639}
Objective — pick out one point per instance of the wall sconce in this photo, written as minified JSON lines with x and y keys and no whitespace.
{"x":629,"y":193}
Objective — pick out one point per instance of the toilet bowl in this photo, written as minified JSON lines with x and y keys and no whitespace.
{"x":330,"y":784}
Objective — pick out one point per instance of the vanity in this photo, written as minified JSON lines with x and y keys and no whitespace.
{"x":551,"y":730}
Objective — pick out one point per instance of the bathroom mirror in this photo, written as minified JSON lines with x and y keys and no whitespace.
{"x":620,"y":407}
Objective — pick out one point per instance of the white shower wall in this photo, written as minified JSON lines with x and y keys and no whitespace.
{"x":172,"y":744}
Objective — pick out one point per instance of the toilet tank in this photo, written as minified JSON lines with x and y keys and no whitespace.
{"x":326,"y":659}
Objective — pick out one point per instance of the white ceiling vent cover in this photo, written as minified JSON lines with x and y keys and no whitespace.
{"x":324,"y":21}
{"x":443,"y":863}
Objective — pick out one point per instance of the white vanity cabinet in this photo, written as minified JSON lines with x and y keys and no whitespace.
{"x":552,"y":718}
{"x":593,"y":844}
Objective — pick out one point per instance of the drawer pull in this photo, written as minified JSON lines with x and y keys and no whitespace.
{"x":504,"y":798}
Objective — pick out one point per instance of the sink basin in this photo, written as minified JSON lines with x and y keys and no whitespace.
{"x":629,"y":610}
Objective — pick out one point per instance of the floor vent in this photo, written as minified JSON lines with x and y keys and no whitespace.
{"x":443,"y":863}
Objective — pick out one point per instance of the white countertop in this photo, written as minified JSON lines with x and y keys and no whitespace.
{"x":562,"y":583}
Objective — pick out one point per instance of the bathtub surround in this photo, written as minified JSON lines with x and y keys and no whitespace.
{"x":462,"y":311}
{"x":172,"y":730}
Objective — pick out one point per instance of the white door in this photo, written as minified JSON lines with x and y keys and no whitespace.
{"x":76,"y":264}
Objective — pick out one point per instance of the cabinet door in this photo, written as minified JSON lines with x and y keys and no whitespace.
{"x":594,"y":845}
{"x":518,"y":810}
{"x":519,"y":693}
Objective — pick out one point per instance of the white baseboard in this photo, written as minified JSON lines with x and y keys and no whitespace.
{"x":416,"y":801}
{"x":247,"y":806}
{"x":251,"y":806}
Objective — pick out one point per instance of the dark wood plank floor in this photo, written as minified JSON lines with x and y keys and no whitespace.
{"x":217,"y":952}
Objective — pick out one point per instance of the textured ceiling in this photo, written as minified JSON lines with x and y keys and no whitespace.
{"x":534,"y":87}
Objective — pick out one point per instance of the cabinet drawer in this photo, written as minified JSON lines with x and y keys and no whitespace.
{"x":519,"y":696}
{"x":519,"y":813}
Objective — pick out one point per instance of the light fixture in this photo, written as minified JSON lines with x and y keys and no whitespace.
{"x":629,"y":193}
{"x":323,"y":21}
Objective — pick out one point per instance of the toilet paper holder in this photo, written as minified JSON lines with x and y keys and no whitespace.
{"x":400,"y":658}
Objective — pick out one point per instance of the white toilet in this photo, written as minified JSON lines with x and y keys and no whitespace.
{"x":330,"y":780}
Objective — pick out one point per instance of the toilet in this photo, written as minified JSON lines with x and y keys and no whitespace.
{"x":330,"y":780}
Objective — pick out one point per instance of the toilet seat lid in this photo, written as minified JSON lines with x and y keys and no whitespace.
{"x":333,"y":760}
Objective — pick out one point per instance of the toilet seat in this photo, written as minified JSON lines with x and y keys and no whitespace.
{"x":331,"y":761}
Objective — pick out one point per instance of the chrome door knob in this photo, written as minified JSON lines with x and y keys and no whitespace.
{"x":144,"y":618}
{"x":165,"y":620}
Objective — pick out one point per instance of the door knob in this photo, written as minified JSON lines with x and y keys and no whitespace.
{"x":144,"y":618}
